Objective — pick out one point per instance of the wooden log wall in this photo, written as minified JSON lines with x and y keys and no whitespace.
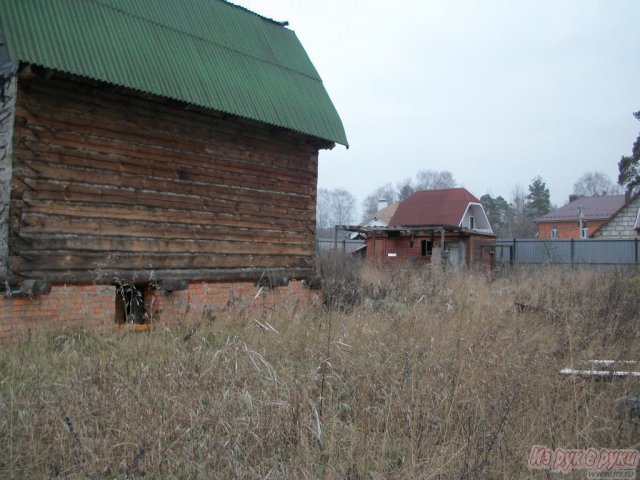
{"x":7,"y":116}
{"x":108,"y":184}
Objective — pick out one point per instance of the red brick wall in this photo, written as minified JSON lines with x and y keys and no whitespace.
{"x":203,"y":297}
{"x":66,"y":306}
{"x":93,"y":306}
{"x":567,"y":230}
{"x":476,"y":252}
{"x":399,"y":245}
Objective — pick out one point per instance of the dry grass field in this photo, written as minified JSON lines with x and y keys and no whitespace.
{"x":402,"y":374}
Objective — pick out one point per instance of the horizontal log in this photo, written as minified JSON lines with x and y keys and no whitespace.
{"x":63,"y":260}
{"x":35,"y":224}
{"x":165,"y":130}
{"x":159,"y":112}
{"x":164,"y":216}
{"x":144,"y":131}
{"x":42,"y":171}
{"x":27,"y":243}
{"x":96,"y":194}
{"x":135,"y":159}
{"x":109,"y":276}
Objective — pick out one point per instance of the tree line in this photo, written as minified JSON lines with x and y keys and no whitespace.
{"x":510,"y":218}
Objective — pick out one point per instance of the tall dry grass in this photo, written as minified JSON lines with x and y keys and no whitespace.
{"x":406,"y":374}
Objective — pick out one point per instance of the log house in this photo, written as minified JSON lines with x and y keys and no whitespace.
{"x":126,"y":167}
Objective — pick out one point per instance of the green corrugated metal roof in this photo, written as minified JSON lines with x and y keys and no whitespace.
{"x":204,"y":52}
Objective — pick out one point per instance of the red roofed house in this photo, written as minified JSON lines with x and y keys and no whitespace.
{"x":580,"y":218}
{"x":432,"y":225}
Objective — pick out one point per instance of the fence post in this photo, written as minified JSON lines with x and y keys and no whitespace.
{"x":636,"y":251}
{"x":513,"y":253}
{"x":572,"y":251}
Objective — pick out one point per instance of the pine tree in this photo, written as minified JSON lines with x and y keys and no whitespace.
{"x":629,"y":167}
{"x":538,"y":199}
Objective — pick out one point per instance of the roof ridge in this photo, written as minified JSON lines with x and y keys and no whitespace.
{"x":211,"y":42}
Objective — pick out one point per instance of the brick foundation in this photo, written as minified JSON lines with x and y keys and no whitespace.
{"x":203,"y":298}
{"x":93,"y":306}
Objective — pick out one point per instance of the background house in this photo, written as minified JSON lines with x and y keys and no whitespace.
{"x":168,"y":146}
{"x":579,"y":218}
{"x":432,"y":226}
{"x":383,"y":216}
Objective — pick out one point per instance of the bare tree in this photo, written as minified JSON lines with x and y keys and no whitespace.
{"x":323,"y":209}
{"x":334,"y":207}
{"x":405,"y":188}
{"x":521,"y":224}
{"x":343,"y":207}
{"x":594,"y":184}
{"x":433,"y":179}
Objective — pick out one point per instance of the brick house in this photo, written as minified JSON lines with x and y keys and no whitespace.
{"x":624,"y":223}
{"x":432,"y":226}
{"x":579,"y":218}
{"x":156,"y":158}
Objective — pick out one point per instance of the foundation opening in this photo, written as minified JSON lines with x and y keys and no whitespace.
{"x":130,"y":305}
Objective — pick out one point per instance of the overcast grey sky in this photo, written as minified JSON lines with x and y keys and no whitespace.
{"x":496,"y":91}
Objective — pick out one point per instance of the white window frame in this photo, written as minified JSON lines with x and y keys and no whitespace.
{"x":584,"y":232}
{"x":554,"y":232}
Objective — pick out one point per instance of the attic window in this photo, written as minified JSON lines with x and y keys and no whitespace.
{"x":426,"y":248}
{"x":472,"y":222}
{"x":130,"y":305}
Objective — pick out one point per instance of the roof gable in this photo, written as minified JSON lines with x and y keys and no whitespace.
{"x":382,"y":216}
{"x":208,"y":53}
{"x":593,"y":208}
{"x":620,"y":220}
{"x":434,"y":207}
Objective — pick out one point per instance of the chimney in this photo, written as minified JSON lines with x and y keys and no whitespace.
{"x":627,"y":196}
{"x":573,"y":197}
{"x":382,"y":204}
